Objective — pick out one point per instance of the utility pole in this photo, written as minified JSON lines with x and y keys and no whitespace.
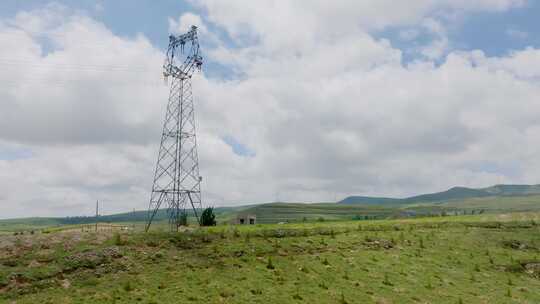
{"x":177,"y":183}
{"x":97,"y":213}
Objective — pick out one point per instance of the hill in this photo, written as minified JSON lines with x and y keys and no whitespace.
{"x":295,"y":212}
{"x":463,"y":259}
{"x":373,"y":201}
{"x":455,"y":193}
{"x":222,"y":213}
{"x":457,"y":200}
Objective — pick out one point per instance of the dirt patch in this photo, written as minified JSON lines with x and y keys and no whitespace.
{"x":532,"y":269}
{"x":517,"y":245}
{"x":92,"y":259}
{"x":378,"y":244}
{"x":34,"y":264}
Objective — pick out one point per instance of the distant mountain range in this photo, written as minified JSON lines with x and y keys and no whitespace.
{"x":450,"y":194}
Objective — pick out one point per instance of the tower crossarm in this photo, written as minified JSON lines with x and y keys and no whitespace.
{"x":177,"y":65}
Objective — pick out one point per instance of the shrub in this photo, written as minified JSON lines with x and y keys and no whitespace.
{"x":127,"y":286}
{"x":386,"y":280}
{"x":208,"y":218}
{"x":342,"y":300}
{"x":117,"y":239}
{"x":269,"y":264}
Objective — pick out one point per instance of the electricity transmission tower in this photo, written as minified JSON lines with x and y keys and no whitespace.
{"x":176,"y":179}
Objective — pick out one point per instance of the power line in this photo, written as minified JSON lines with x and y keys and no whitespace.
{"x":29,"y":63}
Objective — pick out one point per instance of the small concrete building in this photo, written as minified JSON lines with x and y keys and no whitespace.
{"x":246,"y":219}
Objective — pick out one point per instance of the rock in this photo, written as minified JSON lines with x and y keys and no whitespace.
{"x":66,"y":284}
{"x":533,"y":269}
{"x":112,"y":252}
{"x":515,"y":244}
{"x":34,"y":264}
{"x":379,"y":244}
{"x":93,"y":259}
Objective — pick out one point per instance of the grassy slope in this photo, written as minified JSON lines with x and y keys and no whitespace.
{"x":27,"y":224}
{"x":456,"y":193}
{"x":429,"y":261}
{"x":497,"y":203}
{"x":281,"y":212}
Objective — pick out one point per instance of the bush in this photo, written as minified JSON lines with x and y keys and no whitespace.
{"x":269,"y":264}
{"x":208,"y":218}
{"x":117,"y":239}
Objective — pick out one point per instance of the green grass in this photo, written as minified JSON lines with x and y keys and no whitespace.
{"x":297,"y":212}
{"x":27,"y":224}
{"x":500,"y":203}
{"x":468,"y":259}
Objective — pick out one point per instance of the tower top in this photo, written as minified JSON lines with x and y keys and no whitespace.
{"x":177,"y":64}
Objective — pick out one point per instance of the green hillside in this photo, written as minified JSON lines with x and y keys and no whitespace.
{"x":458,"y":200}
{"x":284,"y":212}
{"x":456,"y":193}
{"x":462,"y":259}
{"x":28,"y":223}
{"x":222,"y":213}
{"x":373,"y":201}
{"x":513,"y":189}
{"x":497,"y":203}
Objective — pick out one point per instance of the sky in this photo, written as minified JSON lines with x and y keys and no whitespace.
{"x":300,"y":101}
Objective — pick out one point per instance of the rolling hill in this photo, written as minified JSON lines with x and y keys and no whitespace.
{"x":457,"y":200}
{"x":294,"y":212}
{"x":456,"y":193}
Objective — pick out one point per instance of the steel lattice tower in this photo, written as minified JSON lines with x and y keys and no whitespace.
{"x":176,"y":179}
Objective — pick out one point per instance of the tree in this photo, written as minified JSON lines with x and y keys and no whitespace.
{"x":208,"y":218}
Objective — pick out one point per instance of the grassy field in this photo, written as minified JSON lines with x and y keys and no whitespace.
{"x":297,"y":212}
{"x":27,"y":224}
{"x":466,"y":259}
{"x":498,"y":204}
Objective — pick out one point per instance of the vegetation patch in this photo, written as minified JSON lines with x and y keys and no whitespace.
{"x":417,"y":261}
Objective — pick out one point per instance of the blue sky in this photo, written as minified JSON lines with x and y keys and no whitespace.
{"x":496,"y":33}
{"x":124,"y":17}
{"x":488,"y":31}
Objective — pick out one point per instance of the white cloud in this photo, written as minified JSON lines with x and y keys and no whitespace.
{"x":184,"y":23}
{"x":439,"y":46}
{"x":328,"y":109}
